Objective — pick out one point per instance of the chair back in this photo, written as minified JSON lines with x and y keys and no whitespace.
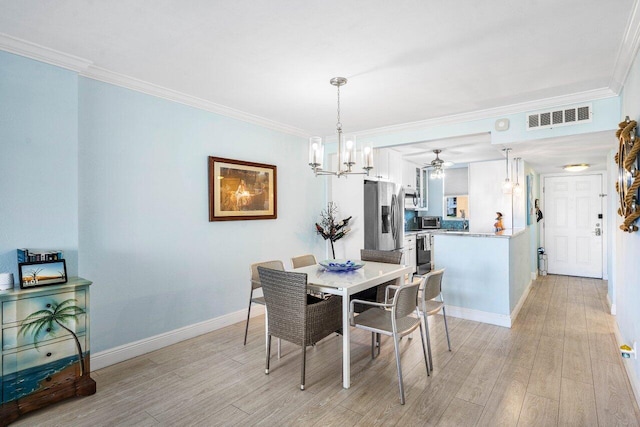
{"x":390,"y":257}
{"x":285,"y":295}
{"x":303,"y":260}
{"x":432,"y":284}
{"x":255,"y":277}
{"x":405,"y":300}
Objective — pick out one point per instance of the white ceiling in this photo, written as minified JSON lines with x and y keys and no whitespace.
{"x":406,"y":61}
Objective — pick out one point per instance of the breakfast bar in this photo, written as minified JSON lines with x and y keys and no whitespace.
{"x":487,"y":274}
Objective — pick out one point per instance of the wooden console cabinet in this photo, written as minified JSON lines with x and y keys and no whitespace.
{"x":49,"y":361}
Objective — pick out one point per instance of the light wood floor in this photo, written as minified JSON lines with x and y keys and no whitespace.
{"x":558,"y":365}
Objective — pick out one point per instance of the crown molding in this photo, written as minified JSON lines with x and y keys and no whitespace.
{"x":42,"y":54}
{"x":104,"y":75}
{"x":628,"y":49}
{"x":86,"y":68}
{"x":539,"y":104}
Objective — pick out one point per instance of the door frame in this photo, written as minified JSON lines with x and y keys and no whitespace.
{"x":603,"y":207}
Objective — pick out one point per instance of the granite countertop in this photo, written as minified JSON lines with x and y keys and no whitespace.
{"x":507,"y":233}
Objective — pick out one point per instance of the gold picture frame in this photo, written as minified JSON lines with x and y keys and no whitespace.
{"x":240,"y":190}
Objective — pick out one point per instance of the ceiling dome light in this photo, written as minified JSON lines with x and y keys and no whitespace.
{"x":576,"y":168}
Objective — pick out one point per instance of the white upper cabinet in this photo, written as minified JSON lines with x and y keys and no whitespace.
{"x":387,"y":165}
{"x":410,"y":177}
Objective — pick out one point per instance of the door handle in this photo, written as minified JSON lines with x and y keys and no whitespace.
{"x":597,"y":231}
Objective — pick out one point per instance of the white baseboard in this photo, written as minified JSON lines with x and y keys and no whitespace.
{"x":487,"y":317}
{"x":518,"y":307}
{"x":612,"y":306}
{"x":628,"y":366}
{"x":479,"y":316}
{"x":124,"y":352}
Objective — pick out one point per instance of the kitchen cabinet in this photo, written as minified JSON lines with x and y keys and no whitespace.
{"x":52,"y":365}
{"x":410,"y":177}
{"x":387,"y":165}
{"x":409,"y":251}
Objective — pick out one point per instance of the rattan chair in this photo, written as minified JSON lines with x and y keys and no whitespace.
{"x":431,"y":302}
{"x":303,"y":260}
{"x":395,"y":320}
{"x":255,"y":284}
{"x":294,"y":315}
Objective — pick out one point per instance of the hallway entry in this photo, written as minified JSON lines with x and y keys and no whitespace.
{"x":573,"y":225}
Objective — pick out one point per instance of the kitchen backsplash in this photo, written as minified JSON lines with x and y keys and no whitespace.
{"x":412,"y":222}
{"x":452,"y":225}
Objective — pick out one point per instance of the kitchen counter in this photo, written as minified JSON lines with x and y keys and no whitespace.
{"x":487,"y":275}
{"x":507,"y":233}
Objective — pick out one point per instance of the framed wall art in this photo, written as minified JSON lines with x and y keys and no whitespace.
{"x":240,"y":190}
{"x":42,"y":273}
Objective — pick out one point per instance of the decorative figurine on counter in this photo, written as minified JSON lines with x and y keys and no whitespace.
{"x":498,"y":225}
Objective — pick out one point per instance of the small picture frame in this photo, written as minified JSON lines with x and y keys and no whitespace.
{"x":42,"y":273}
{"x":240,"y":190}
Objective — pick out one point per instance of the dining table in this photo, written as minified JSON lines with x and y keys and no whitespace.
{"x":345,"y":284}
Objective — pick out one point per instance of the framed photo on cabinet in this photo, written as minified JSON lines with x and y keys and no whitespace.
{"x":240,"y":190}
{"x":42,"y":273}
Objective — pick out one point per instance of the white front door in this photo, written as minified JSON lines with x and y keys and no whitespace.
{"x":573,"y":225}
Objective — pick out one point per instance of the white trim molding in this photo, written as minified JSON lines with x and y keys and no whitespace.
{"x":628,"y":49}
{"x":87,"y":69}
{"x":492,"y":113}
{"x":628,"y":366}
{"x":518,"y":307}
{"x":478,"y":316}
{"x":42,"y":54}
{"x":128,"y":351}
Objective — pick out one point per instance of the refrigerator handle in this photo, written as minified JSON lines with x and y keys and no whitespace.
{"x":393,"y":218}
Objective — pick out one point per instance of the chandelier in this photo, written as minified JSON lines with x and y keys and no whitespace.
{"x":347,"y":150}
{"x":437,"y":164}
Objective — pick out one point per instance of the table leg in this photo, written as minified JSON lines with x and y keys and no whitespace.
{"x":346,"y":347}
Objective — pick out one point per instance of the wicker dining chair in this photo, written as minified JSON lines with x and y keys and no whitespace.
{"x":431,"y":302}
{"x":395,"y":320}
{"x":294,"y":315}
{"x":255,"y":284}
{"x":303,"y":260}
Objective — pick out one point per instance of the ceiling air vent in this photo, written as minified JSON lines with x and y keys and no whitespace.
{"x":559,"y":117}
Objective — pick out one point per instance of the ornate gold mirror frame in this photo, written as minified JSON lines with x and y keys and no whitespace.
{"x":628,"y":175}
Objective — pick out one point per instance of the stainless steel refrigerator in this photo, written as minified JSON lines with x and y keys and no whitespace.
{"x":383,"y":216}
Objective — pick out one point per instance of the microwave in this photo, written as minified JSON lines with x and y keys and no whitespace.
{"x":430,"y":222}
{"x":411,"y":200}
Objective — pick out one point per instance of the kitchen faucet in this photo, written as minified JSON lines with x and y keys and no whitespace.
{"x":465,"y":223}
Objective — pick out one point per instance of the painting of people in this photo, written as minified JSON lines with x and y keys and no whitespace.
{"x":241,"y":190}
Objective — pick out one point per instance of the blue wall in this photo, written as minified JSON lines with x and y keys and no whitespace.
{"x":145,"y":238}
{"x":625,"y":289}
{"x":38,"y":160}
{"x":120,"y":178}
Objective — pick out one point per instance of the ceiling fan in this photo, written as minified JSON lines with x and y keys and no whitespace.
{"x":437,"y":165}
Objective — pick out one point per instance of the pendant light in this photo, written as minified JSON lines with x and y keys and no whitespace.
{"x":507,"y":185}
{"x":517,"y":188}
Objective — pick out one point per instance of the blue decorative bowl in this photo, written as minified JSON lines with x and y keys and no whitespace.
{"x":341,"y":264}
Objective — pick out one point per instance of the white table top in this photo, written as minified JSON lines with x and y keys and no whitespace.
{"x":350,"y":282}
